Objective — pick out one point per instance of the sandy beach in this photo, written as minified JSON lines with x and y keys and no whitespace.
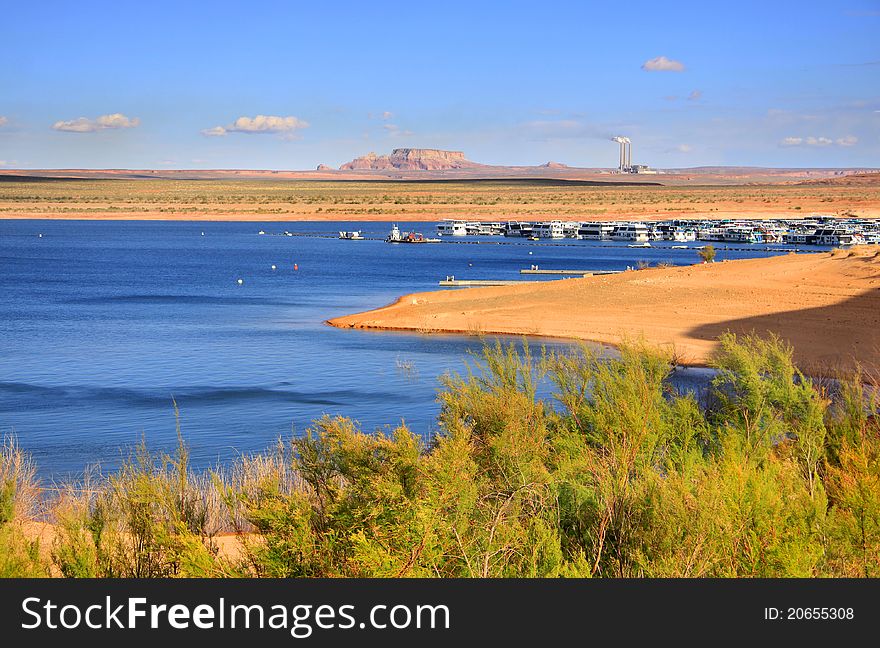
{"x":827,"y":305}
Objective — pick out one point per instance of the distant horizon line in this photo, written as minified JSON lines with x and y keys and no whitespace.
{"x":612,"y":170}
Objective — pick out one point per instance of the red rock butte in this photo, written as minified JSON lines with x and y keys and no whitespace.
{"x":412,"y":159}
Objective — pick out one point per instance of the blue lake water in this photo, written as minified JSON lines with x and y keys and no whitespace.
{"x":103,"y":323}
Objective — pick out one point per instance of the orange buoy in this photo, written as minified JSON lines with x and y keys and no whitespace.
{"x":295,"y":267}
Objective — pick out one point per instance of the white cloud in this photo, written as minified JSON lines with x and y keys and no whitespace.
{"x":662,"y":64}
{"x":683,"y":148}
{"x":387,"y":115}
{"x":261,"y":124}
{"x":216,"y":131}
{"x":8,"y":163}
{"x":849,"y":140}
{"x":104,"y":122}
{"x":395,"y":131}
{"x":695,"y":95}
{"x":3,"y":120}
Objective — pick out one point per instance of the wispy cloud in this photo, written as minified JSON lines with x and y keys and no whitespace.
{"x":387,"y":115}
{"x":395,"y":131}
{"x":848,"y":140}
{"x":261,"y":124}
{"x":695,"y":95}
{"x":662,"y":64}
{"x":3,"y":121}
{"x":683,"y":148}
{"x":8,"y":163}
{"x":552,"y":129}
{"x":104,"y":122}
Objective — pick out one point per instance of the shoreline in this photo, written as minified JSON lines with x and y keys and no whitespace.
{"x":826,"y":305}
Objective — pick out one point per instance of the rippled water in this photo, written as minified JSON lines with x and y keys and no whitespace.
{"x":103,"y":323}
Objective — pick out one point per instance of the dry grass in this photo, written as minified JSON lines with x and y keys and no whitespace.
{"x":18,"y":481}
{"x":267,"y":200}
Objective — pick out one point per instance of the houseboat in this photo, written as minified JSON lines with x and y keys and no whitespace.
{"x":835,"y":236}
{"x":452,"y":228}
{"x":518,"y":228}
{"x":596,"y":231}
{"x":549,"y":229}
{"x":633,"y":232}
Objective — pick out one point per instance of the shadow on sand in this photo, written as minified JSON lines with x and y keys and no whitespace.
{"x":826,"y":340}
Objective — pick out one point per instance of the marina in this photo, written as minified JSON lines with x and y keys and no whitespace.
{"x":817,"y":229}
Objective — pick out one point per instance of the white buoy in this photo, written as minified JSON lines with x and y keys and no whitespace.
{"x":39,"y":236}
{"x":240,"y":281}
{"x":273,"y":266}
{"x":529,"y":252}
{"x":203,"y":233}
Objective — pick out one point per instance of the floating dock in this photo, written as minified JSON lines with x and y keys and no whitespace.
{"x":582,"y":273}
{"x":463,"y":283}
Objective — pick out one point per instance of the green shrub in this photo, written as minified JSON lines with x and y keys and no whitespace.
{"x":613,"y":474}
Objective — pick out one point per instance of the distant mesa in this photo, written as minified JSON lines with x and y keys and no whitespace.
{"x":324,"y":167}
{"x":411,"y":159}
{"x":554,"y":165}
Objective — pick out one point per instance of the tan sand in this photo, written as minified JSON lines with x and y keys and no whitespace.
{"x":827,"y":305}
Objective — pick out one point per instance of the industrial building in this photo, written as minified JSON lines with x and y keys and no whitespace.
{"x":625,"y":164}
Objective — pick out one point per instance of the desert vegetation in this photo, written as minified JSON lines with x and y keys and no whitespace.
{"x":268,"y":200}
{"x":617,"y":474}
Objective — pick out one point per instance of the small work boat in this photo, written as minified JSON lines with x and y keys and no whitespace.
{"x":351,"y":236}
{"x":396,"y":236}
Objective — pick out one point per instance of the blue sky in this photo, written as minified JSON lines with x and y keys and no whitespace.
{"x":181,"y":85}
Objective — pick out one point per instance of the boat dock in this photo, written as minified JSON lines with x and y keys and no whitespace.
{"x":452,"y":282}
{"x":580,"y":273}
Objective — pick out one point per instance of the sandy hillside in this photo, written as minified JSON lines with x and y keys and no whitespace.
{"x":826,"y":304}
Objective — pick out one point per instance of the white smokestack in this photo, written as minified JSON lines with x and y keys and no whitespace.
{"x":625,"y":158}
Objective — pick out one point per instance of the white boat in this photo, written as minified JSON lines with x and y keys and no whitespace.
{"x":493,"y":228}
{"x":518,"y":228}
{"x":549,"y":229}
{"x":742,"y":235}
{"x":452,"y":228}
{"x":800,"y":237}
{"x":834,"y":236}
{"x":596,"y":231}
{"x":351,"y":236}
{"x":570,"y":229}
{"x":684,"y":236}
{"x":639,"y":245}
{"x":637,"y":232}
{"x":472,"y":228}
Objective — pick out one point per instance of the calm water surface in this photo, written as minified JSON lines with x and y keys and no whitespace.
{"x":102,"y":324}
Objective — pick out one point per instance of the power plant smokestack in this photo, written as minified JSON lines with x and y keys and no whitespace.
{"x":625,"y":157}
